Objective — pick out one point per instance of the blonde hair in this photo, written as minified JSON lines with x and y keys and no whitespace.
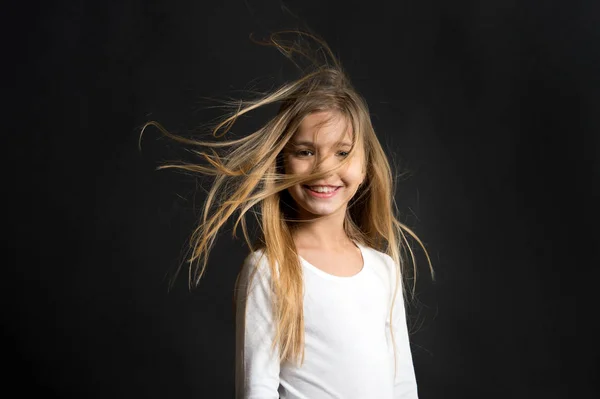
{"x":248,"y":176}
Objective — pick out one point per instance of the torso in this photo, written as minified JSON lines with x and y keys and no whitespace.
{"x":347,"y":351}
{"x":347,"y":343}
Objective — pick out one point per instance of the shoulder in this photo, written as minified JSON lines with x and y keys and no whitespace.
{"x":378,"y":255}
{"x":255,"y":258}
{"x":382,"y":264}
{"x":388,"y":272}
{"x":255,"y":262}
{"x":379,"y":260}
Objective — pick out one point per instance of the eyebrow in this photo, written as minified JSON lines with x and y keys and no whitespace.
{"x":310,"y":143}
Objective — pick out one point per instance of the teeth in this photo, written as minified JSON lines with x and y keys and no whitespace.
{"x":321,"y":189}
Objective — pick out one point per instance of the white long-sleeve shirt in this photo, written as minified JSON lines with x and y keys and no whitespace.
{"x":348,"y":347}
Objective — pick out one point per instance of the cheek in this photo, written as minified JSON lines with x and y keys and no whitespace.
{"x":296,"y":167}
{"x":354,"y":173}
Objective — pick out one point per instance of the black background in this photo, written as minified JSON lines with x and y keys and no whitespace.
{"x":492,"y":106}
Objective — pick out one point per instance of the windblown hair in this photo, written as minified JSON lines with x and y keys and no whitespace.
{"x":249,"y":177}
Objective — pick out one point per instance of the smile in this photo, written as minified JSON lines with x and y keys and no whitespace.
{"x":321,"y":191}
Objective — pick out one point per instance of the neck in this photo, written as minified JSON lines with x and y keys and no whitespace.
{"x":321,"y":232}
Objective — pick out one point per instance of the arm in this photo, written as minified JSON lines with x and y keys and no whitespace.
{"x":405,"y":383}
{"x":257,"y":367}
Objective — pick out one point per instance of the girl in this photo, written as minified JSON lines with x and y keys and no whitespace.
{"x":319,"y":314}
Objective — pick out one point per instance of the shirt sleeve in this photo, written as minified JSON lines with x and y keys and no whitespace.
{"x":257,"y":366}
{"x":405,"y":383}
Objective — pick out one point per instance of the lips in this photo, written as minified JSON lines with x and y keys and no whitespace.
{"x":322,"y":189}
{"x":330,"y":191}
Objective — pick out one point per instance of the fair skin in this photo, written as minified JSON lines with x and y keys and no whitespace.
{"x":320,"y":237}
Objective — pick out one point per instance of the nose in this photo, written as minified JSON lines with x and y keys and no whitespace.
{"x":326,"y":162}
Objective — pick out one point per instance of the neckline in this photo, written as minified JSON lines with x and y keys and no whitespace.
{"x":333,"y":276}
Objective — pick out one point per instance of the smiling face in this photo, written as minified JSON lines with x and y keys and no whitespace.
{"x":322,"y":141}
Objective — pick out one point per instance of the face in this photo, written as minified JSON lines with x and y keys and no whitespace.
{"x":317,"y":146}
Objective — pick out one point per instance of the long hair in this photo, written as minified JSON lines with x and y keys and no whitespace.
{"x":249,"y":178}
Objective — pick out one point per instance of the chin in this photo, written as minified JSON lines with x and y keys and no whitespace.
{"x":320,"y":211}
{"x":313,"y":207}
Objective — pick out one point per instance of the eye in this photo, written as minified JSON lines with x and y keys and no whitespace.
{"x":304,"y":153}
{"x":344,"y":153}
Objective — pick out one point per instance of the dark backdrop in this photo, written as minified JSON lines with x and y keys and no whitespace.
{"x":492,"y":106}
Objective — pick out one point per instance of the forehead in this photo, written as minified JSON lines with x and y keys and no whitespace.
{"x":324,"y":128}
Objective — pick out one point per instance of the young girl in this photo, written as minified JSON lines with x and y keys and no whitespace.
{"x":319,"y":299}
